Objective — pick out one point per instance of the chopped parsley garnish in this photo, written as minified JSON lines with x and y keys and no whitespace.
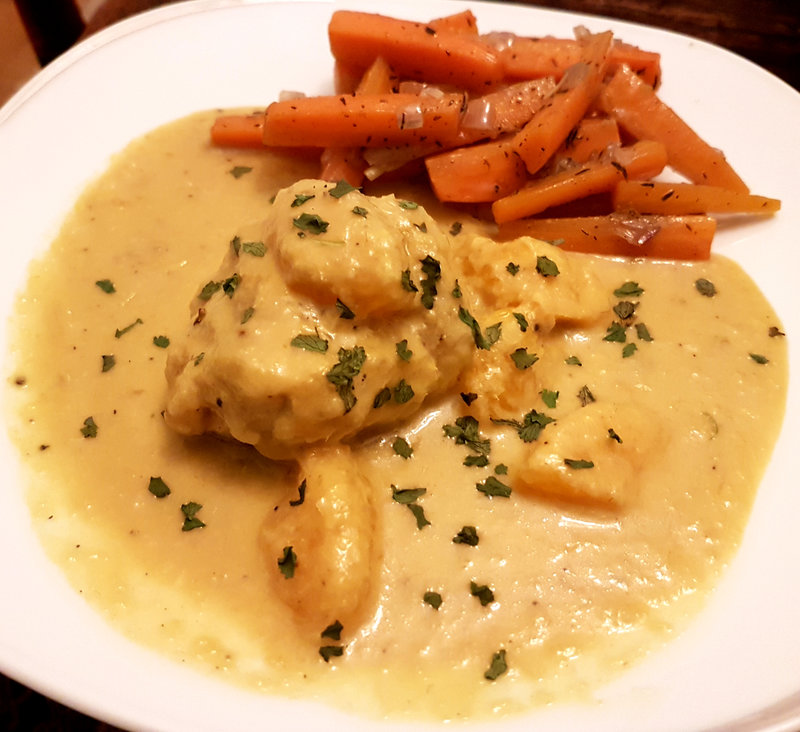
{"x":301,"y":198}
{"x":628,"y":289}
{"x":158,"y":487}
{"x":229,"y":286}
{"x":409,"y":205}
{"x":209,"y":289}
{"x":403,"y":351}
{"x":512,"y":268}
{"x":89,"y":428}
{"x":360,"y":211}
{"x":403,"y":392}
{"x":494,"y":488}
{"x":161,"y":341}
{"x":501,"y":469}
{"x":522,"y":321}
{"x":625,"y":309}
{"x":199,"y":357}
{"x":433,"y":273}
{"x":247,"y":314}
{"x":406,"y":282}
{"x":106,"y":286}
{"x":190,"y":520}
{"x":434,"y":599}
{"x":122,"y":331}
{"x":408,"y":497}
{"x":402,"y":448}
{"x":342,"y":188}
{"x":629,"y":349}
{"x":237,"y":171}
{"x":482,"y":592}
{"x":467,"y":535}
{"x":254,"y":248}
{"x":578,"y":464}
{"x":468,"y":397}
{"x":345,"y":313}
{"x":549,"y":398}
{"x":613,"y":435}
{"x":546,"y":267}
{"x":642,"y":333}
{"x":333,"y":631}
{"x":483,"y":341}
{"x":287,"y":562}
{"x":522,"y":359}
{"x":615,"y":333}
{"x":311,"y":223}
{"x":108,"y":362}
{"x":585,"y":396}
{"x":497,"y":667}
{"x":758,"y":358}
{"x":705,"y":287}
{"x":301,"y":495}
{"x":476,"y":461}
{"x":455,"y":229}
{"x":329,"y":652}
{"x":530,"y":427}
{"x":573,"y":361}
{"x":342,"y":374}
{"x":382,"y":397}
{"x":310,"y":343}
{"x":466,"y":432}
{"x":456,"y":291}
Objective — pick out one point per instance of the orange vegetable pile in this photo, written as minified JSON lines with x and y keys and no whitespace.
{"x":560,"y":139}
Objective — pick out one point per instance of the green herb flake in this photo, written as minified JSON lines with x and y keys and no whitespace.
{"x":408,"y":205}
{"x":89,"y":429}
{"x":530,"y":427}
{"x":501,"y":469}
{"x":229,"y":286}
{"x":237,"y":171}
{"x":209,"y":289}
{"x":254,"y":248}
{"x":629,"y":349}
{"x":301,"y":198}
{"x":549,"y":398}
{"x":512,"y":268}
{"x":342,"y":374}
{"x":456,"y":291}
{"x":247,"y":314}
{"x":419,"y":515}
{"x":402,"y":448}
{"x":522,"y":321}
{"x":494,"y":488}
{"x":309,"y":342}
{"x":628,"y":289}
{"x":546,"y":267}
{"x":236,"y":244}
{"x":199,"y":357}
{"x":342,"y":188}
{"x":158,"y":487}
{"x":484,"y":342}
{"x":433,"y":273}
{"x":573,"y":361}
{"x":434,"y":599}
{"x":476,"y":461}
{"x":161,"y":341}
{"x":522,"y":359}
{"x":287,"y":562}
{"x":467,"y":535}
{"x":482,"y":592}
{"x":585,"y":396}
{"x":407,"y":283}
{"x":382,"y":397}
{"x":403,"y":392}
{"x":578,"y":464}
{"x":108,"y":362}
{"x":758,"y":358}
{"x":468,"y":397}
{"x":360,"y":211}
{"x":407,"y":495}
{"x":345,"y":313}
{"x":642,"y":333}
{"x":497,"y":667}
{"x":403,"y":351}
{"x":127,"y":329}
{"x":705,"y":287}
{"x":613,"y":435}
{"x":333,"y":631}
{"x":310,"y":223}
{"x":466,"y":431}
{"x":455,"y":228}
{"x":329,"y":652}
{"x":625,"y":309}
{"x":615,"y":333}
{"x":190,"y":520}
{"x":301,"y":495}
{"x":106,"y":286}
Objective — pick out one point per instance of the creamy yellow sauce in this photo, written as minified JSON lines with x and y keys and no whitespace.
{"x":589,"y":570}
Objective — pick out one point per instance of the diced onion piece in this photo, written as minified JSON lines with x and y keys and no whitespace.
{"x":636,"y":230}
{"x":480,"y":114}
{"x":410,"y":118}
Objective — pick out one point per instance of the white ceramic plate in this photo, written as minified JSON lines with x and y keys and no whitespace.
{"x":738,"y":665}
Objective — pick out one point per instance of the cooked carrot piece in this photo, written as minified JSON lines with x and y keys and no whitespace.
{"x":463,"y":22}
{"x":377,"y":79}
{"x":238,"y":130}
{"x":362,"y":120}
{"x":688,"y":198}
{"x":413,"y":50}
{"x":532,"y":58}
{"x":589,"y":139}
{"x":642,"y":159}
{"x":551,"y":125}
{"x":477,"y":173}
{"x":660,"y":237}
{"x":639,"y":110}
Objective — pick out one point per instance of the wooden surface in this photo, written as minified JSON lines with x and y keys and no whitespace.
{"x":764,"y":31}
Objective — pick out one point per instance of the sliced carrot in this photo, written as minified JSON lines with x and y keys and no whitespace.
{"x":363,"y":120}
{"x":589,"y":139}
{"x":463,"y":22}
{"x":660,"y":237}
{"x":238,"y":130}
{"x":688,"y":198}
{"x":639,"y":110}
{"x":533,"y":58}
{"x":548,"y":129}
{"x":639,"y":160}
{"x":477,"y":173}
{"x":414,"y":50}
{"x":379,"y":78}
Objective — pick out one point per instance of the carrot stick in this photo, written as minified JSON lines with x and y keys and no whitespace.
{"x":688,"y":198}
{"x":238,"y":130}
{"x":477,"y":173}
{"x":643,"y":159}
{"x":377,"y":79}
{"x":548,"y":129}
{"x":363,"y":120}
{"x":589,"y":139}
{"x":659,"y":237}
{"x":413,"y":50}
{"x":533,"y":58}
{"x":463,"y":22}
{"x":638,"y":110}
